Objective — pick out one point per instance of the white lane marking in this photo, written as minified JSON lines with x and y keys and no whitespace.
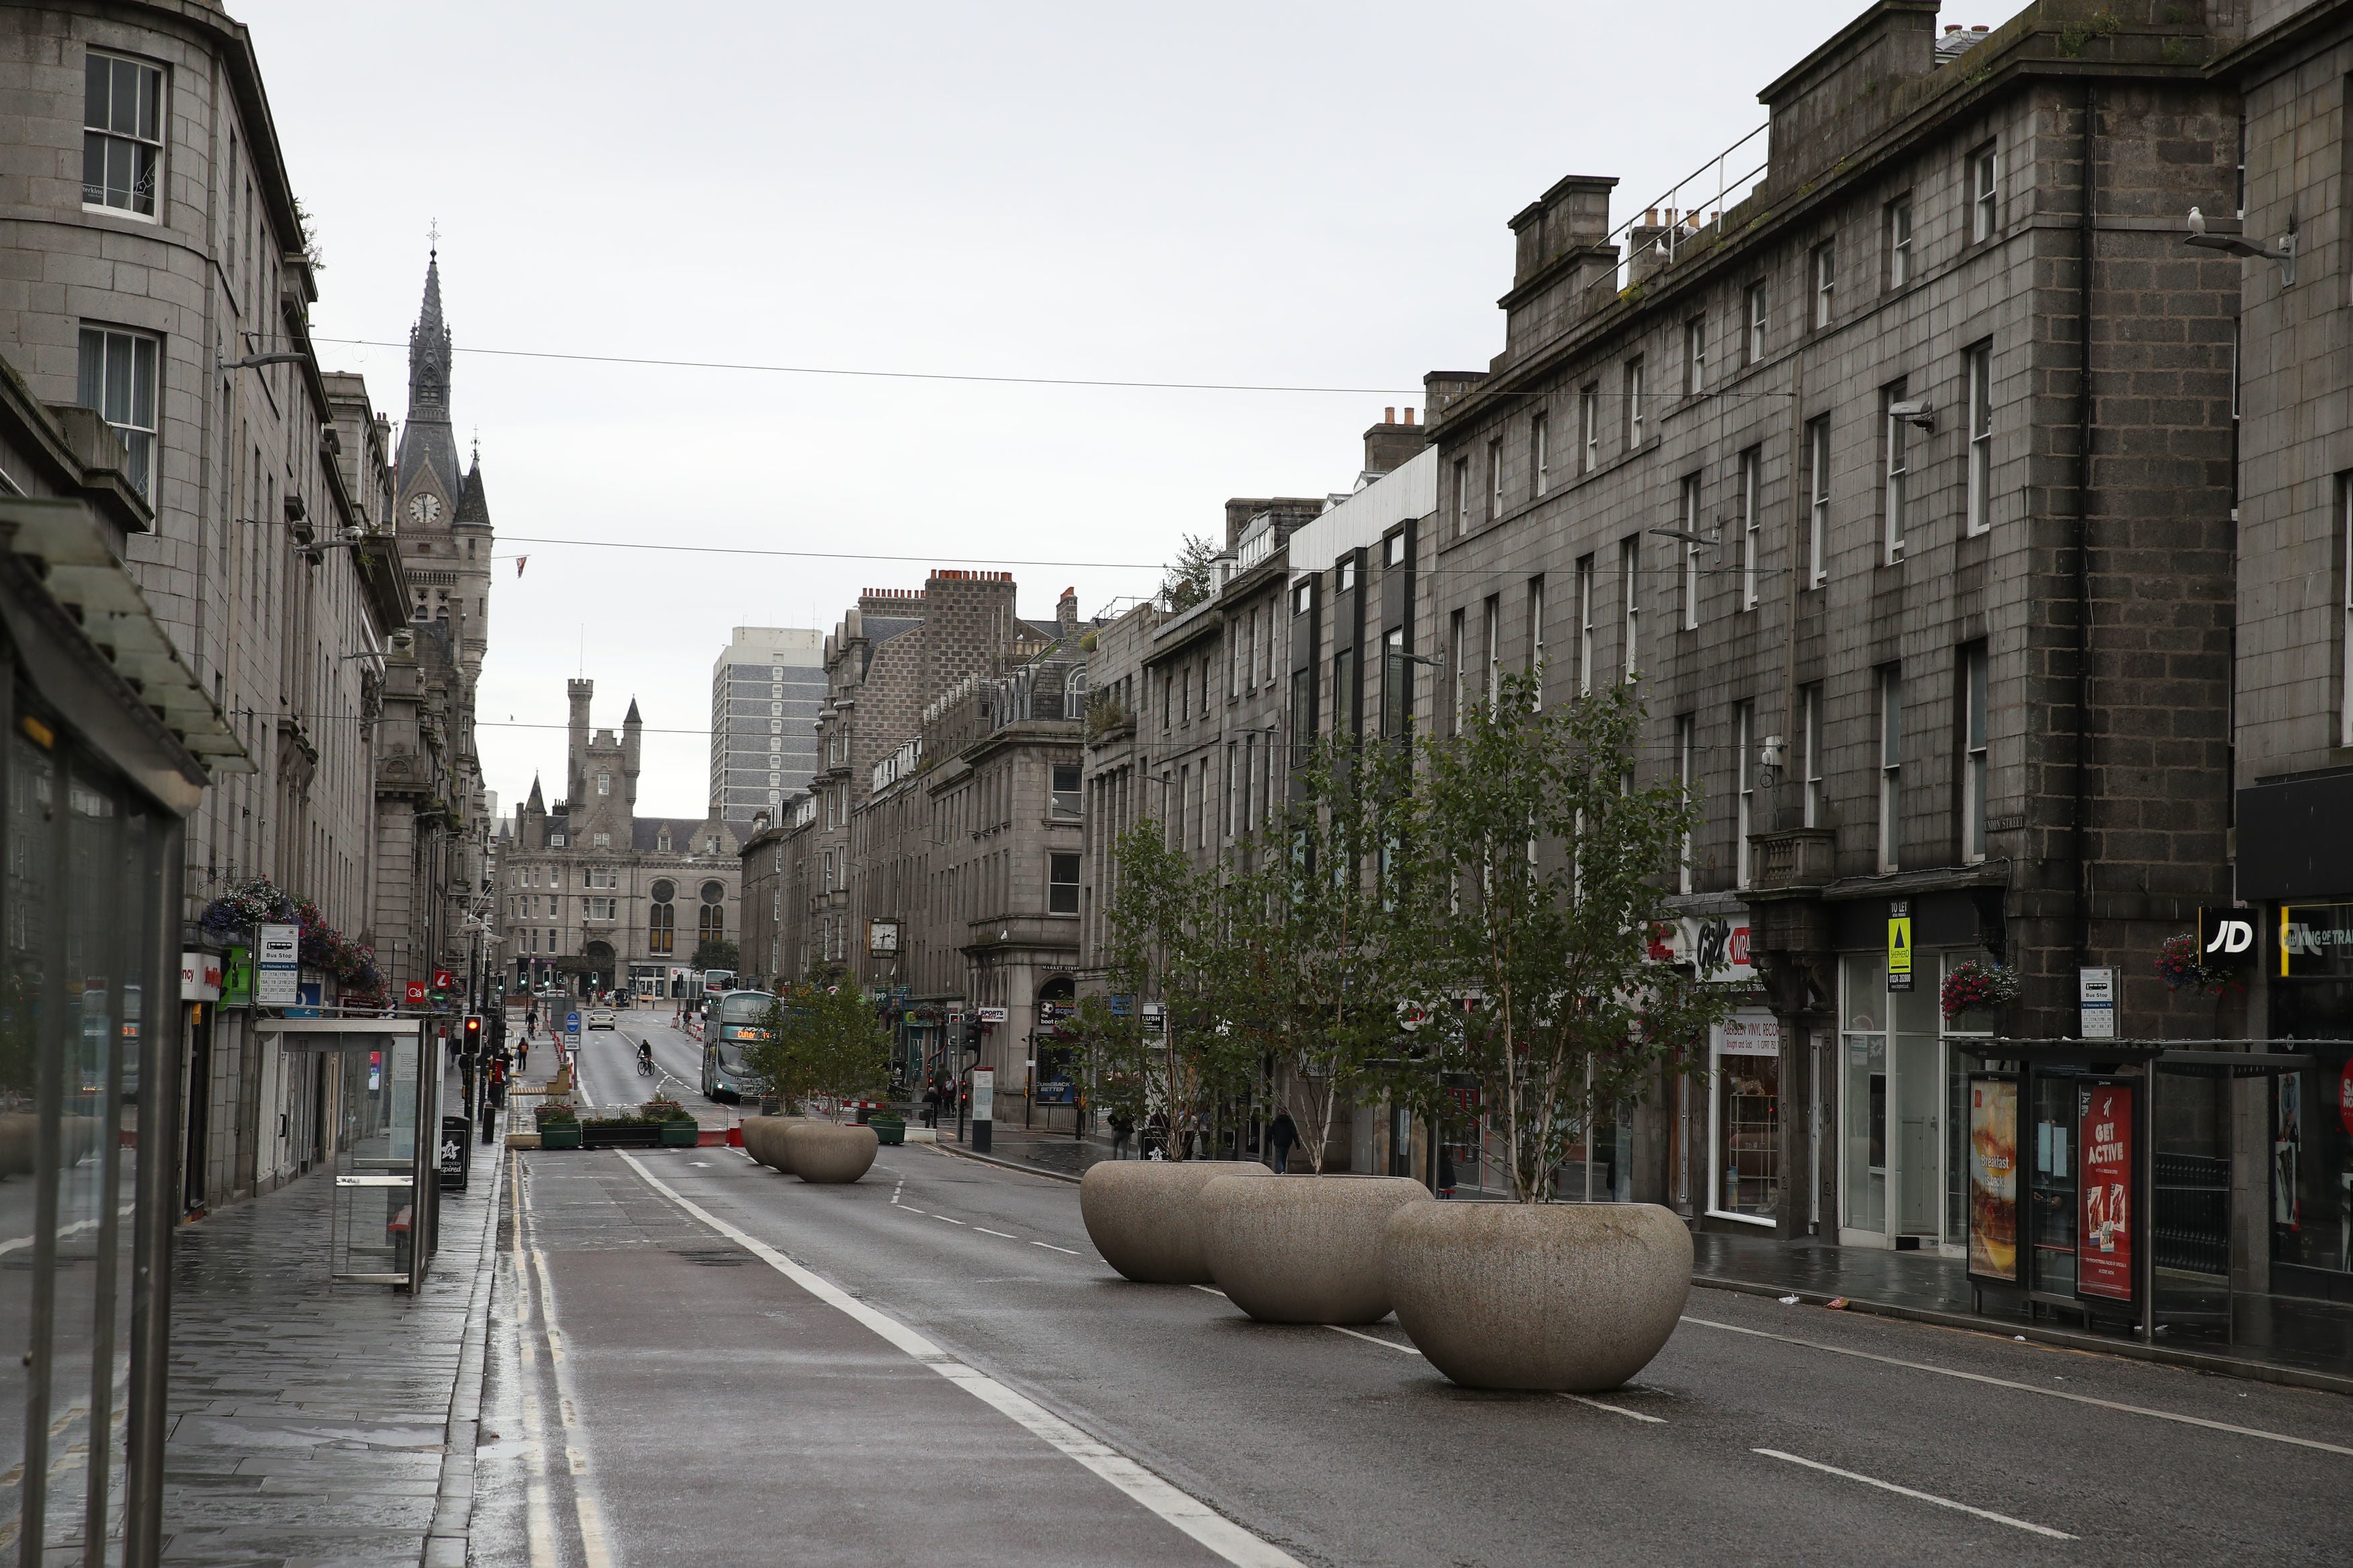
{"x":540,"y":1518}
{"x":1581,"y":1399}
{"x":1209,"y":1290}
{"x":919,"y":1213}
{"x":2030,"y":1388}
{"x":1006,"y":1234}
{"x":587,"y":1507}
{"x":1913,"y":1492}
{"x":945,"y":1220}
{"x":897,"y":1190}
{"x":1051,"y":1248}
{"x":1187,"y":1513}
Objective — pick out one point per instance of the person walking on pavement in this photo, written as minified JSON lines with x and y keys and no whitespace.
{"x":1122,"y":1127}
{"x":932,"y":1106}
{"x":1281,"y":1138}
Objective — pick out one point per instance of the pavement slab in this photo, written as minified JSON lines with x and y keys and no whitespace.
{"x":311,"y":1422}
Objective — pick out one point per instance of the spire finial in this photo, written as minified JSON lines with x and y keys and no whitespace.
{"x":432,"y":236}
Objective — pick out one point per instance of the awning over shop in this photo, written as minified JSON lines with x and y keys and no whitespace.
{"x":83,"y":575}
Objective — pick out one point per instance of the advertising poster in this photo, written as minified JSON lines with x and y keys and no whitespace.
{"x":2104,"y":1254}
{"x":1993,"y":1178}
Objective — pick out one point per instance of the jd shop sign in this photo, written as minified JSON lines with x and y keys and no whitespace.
{"x":2226,"y":937}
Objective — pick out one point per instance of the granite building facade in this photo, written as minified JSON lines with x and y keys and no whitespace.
{"x":592,"y":895}
{"x":1901,"y":489}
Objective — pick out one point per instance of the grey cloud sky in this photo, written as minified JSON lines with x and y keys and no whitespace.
{"x":1284,"y":194}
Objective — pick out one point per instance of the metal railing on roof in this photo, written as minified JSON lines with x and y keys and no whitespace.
{"x":1678,"y":223}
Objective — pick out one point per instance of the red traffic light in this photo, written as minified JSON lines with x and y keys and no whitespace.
{"x":473,"y":1030}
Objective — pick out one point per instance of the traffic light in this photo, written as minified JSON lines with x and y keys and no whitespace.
{"x":473,"y":1038}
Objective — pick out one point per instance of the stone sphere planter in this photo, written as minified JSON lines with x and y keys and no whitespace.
{"x":1144,"y":1215}
{"x":826,"y":1154}
{"x":764,"y":1140}
{"x":1303,"y":1249}
{"x":1575,"y":1298}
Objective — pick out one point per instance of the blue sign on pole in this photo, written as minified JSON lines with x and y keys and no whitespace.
{"x":571,"y":1022}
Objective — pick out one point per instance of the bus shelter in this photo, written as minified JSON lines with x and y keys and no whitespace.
{"x":2100,"y":1175}
{"x":384,"y":1115}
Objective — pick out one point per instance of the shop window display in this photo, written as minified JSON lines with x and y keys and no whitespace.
{"x":1745,"y":1089}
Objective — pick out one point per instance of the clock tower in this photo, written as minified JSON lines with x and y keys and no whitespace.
{"x":440,"y":508}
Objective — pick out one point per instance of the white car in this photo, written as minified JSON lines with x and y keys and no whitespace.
{"x":600,"y":1018}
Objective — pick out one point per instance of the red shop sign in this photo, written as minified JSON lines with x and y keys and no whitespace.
{"x":415,"y":992}
{"x":2104,"y":1248}
{"x":2345,"y":1095}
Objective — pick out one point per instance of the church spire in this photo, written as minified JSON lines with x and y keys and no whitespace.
{"x":428,"y":351}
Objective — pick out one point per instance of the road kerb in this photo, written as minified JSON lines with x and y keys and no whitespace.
{"x":2039,"y":1333}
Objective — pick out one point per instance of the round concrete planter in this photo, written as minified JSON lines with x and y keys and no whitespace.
{"x":1144,"y":1215}
{"x":764,"y":1140}
{"x":19,"y":1131}
{"x":1303,"y":1249}
{"x":829,"y":1154}
{"x":1576,"y":1298}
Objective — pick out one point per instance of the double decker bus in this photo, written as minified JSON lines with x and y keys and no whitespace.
{"x":732,"y":1025}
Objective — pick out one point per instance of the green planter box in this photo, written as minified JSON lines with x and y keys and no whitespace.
{"x":891,"y":1131}
{"x":636,"y":1135}
{"x":680,"y":1134}
{"x":559,"y":1134}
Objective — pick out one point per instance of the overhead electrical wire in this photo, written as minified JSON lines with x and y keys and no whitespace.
{"x":890,"y":374}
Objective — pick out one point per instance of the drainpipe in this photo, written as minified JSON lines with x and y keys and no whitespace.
{"x":2081,"y":834}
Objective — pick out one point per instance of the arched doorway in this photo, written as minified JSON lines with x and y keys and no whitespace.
{"x":599,"y":956}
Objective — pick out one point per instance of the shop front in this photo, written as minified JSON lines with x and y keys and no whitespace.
{"x":2295,"y":879}
{"x":1902,"y":1078}
{"x":1743,"y":1125}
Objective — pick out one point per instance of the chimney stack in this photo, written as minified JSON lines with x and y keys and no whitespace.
{"x":1389,"y":445}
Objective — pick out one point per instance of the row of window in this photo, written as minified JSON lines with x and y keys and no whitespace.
{"x":1903,"y":421}
{"x":1969,"y":757}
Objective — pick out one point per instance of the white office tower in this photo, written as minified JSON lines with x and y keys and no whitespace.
{"x":765,"y":692}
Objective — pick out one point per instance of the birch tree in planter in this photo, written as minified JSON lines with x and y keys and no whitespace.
{"x":1324,"y":949}
{"x":1542,"y":866}
{"x":821,"y":1041}
{"x":1170,"y":941}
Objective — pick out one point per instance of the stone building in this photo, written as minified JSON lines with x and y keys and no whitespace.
{"x":1196,"y":711}
{"x":593,"y":896}
{"x":970,"y":848}
{"x":2292,"y":737}
{"x":891,"y":655}
{"x":766,"y":686}
{"x":158,"y":274}
{"x":1900,"y":487}
{"x":910,"y":673}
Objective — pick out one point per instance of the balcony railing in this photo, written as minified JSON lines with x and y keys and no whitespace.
{"x":1794,"y":857}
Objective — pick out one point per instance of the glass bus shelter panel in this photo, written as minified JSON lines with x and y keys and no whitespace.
{"x":2189,"y":1214}
{"x":81,"y":858}
{"x":2050,"y":1206}
{"x":374,"y":1084}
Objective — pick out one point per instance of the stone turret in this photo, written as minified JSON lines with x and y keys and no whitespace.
{"x":631,"y":727}
{"x":575,"y":784}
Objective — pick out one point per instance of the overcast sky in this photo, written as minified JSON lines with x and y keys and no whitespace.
{"x":1301,"y":195}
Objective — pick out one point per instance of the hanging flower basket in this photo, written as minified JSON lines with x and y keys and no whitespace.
{"x":1973,"y":987}
{"x":2178,"y":964}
